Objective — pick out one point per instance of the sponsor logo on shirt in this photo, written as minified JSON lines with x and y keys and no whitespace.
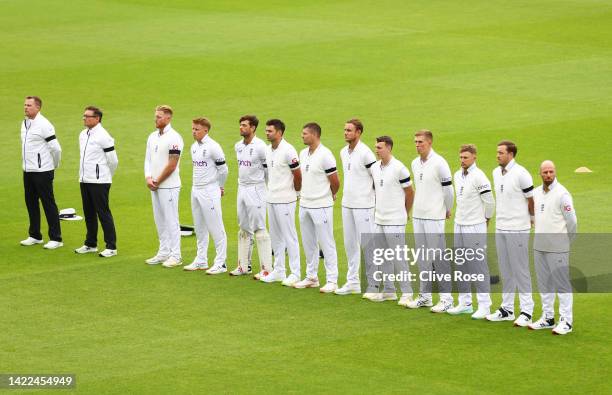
{"x":245,"y":163}
{"x":200,"y":163}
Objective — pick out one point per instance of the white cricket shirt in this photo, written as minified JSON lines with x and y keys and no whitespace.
{"x":160,"y":146}
{"x":316,"y":167}
{"x":98,"y":160}
{"x":474,"y":197}
{"x":251,"y":162}
{"x":207,"y":159}
{"x":389,"y":184}
{"x":281,"y":162}
{"x":555,"y":218}
{"x":511,"y":192}
{"x":430,"y":179}
{"x":358,"y":190}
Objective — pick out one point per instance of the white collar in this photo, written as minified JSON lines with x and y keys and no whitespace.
{"x":551,"y":186}
{"x":98,"y":126}
{"x":510,"y":165}
{"x":164,"y":130}
{"x":431,"y":153}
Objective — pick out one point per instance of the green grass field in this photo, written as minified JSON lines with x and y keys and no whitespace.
{"x":479,"y":71}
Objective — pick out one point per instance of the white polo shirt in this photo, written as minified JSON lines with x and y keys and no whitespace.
{"x":430,"y":178}
{"x":511,"y":192}
{"x":160,"y":146}
{"x":40,"y":149}
{"x":474,"y":197}
{"x":316,"y":167}
{"x":207,"y":158}
{"x":97,"y":161}
{"x":358,"y":190}
{"x":281,"y":162}
{"x":389,"y":184}
{"x":555,"y":218}
{"x":251,"y":162}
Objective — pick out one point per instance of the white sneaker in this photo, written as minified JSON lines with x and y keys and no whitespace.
{"x":481,"y":313}
{"x":405,"y":299}
{"x":307,"y":283}
{"x":52,"y":245}
{"x":273,"y":277}
{"x":291,"y":280}
{"x":368,"y":295}
{"x":157,"y":259}
{"x":562,"y":328}
{"x":421,"y":301}
{"x":523,"y":320}
{"x":217,"y":269}
{"x":239,"y":271}
{"x":383,"y":296}
{"x":85,"y":250}
{"x":30,"y":241}
{"x":195,"y":265}
{"x":500,"y":314}
{"x":260,"y":275}
{"x":328,"y":288}
{"x":172,"y":262}
{"x":461,"y":309}
{"x":542,"y":323}
{"x":348,"y":289}
{"x":107,"y":253}
{"x":442,"y":306}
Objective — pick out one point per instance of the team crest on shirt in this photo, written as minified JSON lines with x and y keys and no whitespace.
{"x":155,"y":148}
{"x":251,"y":152}
{"x":501,"y":188}
{"x":272,"y":163}
{"x":421,"y":177}
{"x":307,"y":167}
{"x":461,"y":191}
{"x":542,"y":208}
{"x":193,"y":151}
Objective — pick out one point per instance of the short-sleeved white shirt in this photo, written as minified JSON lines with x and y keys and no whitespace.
{"x":511,"y":192}
{"x":468,"y":189}
{"x":251,"y":162}
{"x":389,"y":183}
{"x":206,"y":156}
{"x":430,"y":178}
{"x":281,"y":162}
{"x":358,"y":190}
{"x":159,"y":147}
{"x":316,"y":168}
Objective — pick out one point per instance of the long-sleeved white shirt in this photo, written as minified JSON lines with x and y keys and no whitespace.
{"x":208,"y":160}
{"x":98,"y":159}
{"x":40,"y":148}
{"x":555,"y":218}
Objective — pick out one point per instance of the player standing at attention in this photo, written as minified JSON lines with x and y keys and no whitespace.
{"x":358,"y":201}
{"x":555,"y":229}
{"x":394,"y":197}
{"x":433,"y":203}
{"x":514,"y":206}
{"x":475,"y":206}
{"x":252,"y":173}
{"x":209,"y":175}
{"x":284,"y":184}
{"x":319,"y":187}
{"x":161,"y":169}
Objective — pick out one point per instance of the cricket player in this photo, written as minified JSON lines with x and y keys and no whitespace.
{"x":358,"y":201}
{"x":513,"y":219}
{"x":319,"y":187}
{"x":555,"y":229}
{"x":475,"y":207}
{"x":394,"y":198}
{"x":161,"y":169}
{"x":209,"y":175}
{"x":284,"y":184}
{"x":433,"y":203}
{"x":251,"y":205}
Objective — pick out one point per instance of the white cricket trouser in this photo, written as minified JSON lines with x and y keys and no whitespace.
{"x":389,"y":237}
{"x":513,"y":258}
{"x":317,"y":226}
{"x":429,"y":234}
{"x":357,"y":223}
{"x":208,"y":219}
{"x":473,"y":237}
{"x":166,"y":216}
{"x":552,"y":271}
{"x":251,"y":207}
{"x":283,"y":235}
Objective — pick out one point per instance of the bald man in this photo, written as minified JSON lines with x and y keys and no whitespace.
{"x":555,"y":229}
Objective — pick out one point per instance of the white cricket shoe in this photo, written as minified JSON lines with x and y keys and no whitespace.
{"x":30,"y":241}
{"x":348,"y":289}
{"x":404,"y":300}
{"x":461,"y":309}
{"x":442,"y":306}
{"x":523,"y":320}
{"x":85,"y":250}
{"x":52,"y":245}
{"x":195,"y":265}
{"x":421,"y":301}
{"x":290,"y":280}
{"x":239,"y":271}
{"x":500,"y":314}
{"x":481,"y":313}
{"x":307,"y":283}
{"x":172,"y":262}
{"x":562,"y":328}
{"x":260,"y":275}
{"x":542,"y":323}
{"x":368,"y":295}
{"x":328,"y":288}
{"x":273,"y":277}
{"x":217,"y":269}
{"x":107,"y":253}
{"x":157,"y":259}
{"x":383,"y":296}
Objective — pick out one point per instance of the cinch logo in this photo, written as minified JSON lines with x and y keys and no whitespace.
{"x":246,"y":163}
{"x":200,"y":163}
